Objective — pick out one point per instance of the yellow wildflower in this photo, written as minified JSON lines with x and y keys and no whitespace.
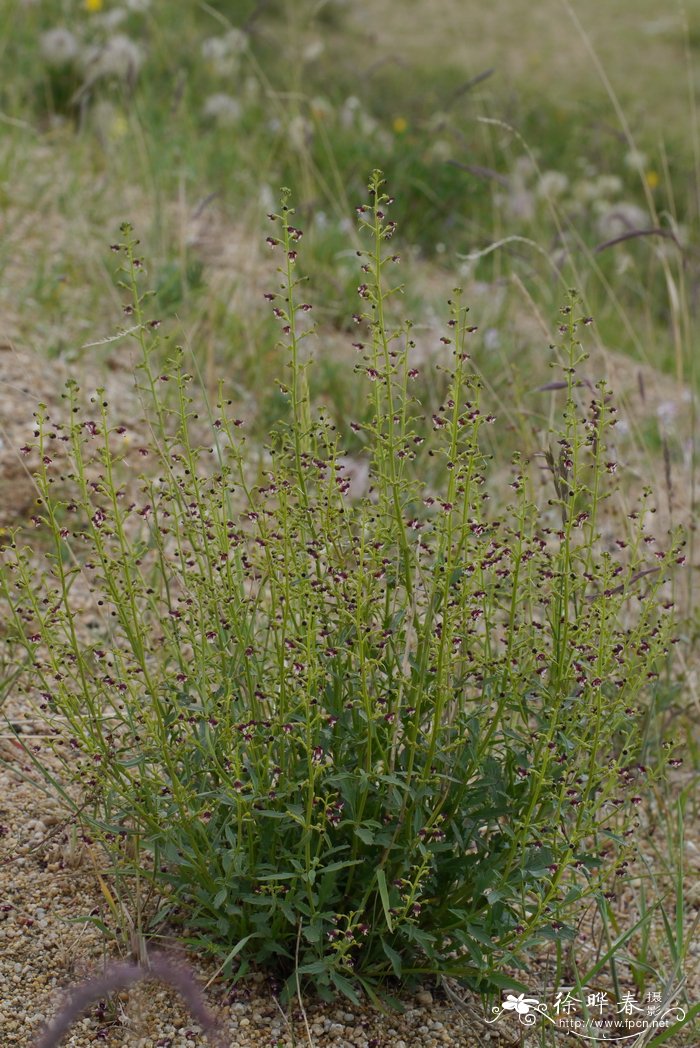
{"x":400,"y":124}
{"x":652,"y":179}
{"x":92,"y":5}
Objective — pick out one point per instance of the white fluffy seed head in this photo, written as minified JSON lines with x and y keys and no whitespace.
{"x":59,"y":47}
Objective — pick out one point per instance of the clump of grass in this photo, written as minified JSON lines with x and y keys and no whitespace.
{"x":354,"y":740}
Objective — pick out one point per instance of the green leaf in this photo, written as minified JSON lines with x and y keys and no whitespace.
{"x":505,"y":982}
{"x":345,"y":987}
{"x":394,"y":957}
{"x":384,"y":895}
{"x":131,"y":762}
{"x":479,"y":934}
{"x":313,"y":932}
{"x":419,"y":935}
{"x":95,"y":921}
{"x":288,"y":912}
{"x":333,"y":866}
{"x":271,"y":814}
{"x":313,"y":968}
{"x":365,"y":834}
{"x":237,"y":949}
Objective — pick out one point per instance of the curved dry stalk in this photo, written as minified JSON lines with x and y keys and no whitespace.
{"x":119,"y":976}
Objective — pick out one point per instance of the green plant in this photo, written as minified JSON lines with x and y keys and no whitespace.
{"x":354,"y":740}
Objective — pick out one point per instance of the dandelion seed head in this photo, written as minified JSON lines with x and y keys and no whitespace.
{"x":222,"y":108}
{"x":635,"y":160}
{"x":119,"y":57}
{"x":552,"y":184}
{"x":59,"y":47}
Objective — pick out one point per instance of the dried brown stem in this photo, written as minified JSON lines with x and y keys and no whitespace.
{"x":119,"y":976}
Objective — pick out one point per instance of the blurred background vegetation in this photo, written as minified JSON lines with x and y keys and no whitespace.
{"x":548,"y":130}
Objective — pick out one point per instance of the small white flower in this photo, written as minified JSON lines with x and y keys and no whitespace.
{"x":139,"y":6}
{"x":59,"y":47}
{"x":368,"y":125}
{"x":519,"y":203}
{"x":552,"y":184}
{"x":224,"y":109}
{"x":666,"y":411}
{"x":214,"y":52}
{"x":608,"y":185}
{"x":623,"y":217}
{"x":349,"y":111}
{"x":524,"y":167}
{"x":313,"y":50}
{"x":440,"y":150}
{"x":320,"y":108}
{"x":120,"y":56}
{"x":299,"y":131}
{"x":438,"y":121}
{"x":213,"y":48}
{"x":223,"y":52}
{"x":492,"y":338}
{"x":111,"y":19}
{"x":635,"y":160}
{"x":236,"y":41}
